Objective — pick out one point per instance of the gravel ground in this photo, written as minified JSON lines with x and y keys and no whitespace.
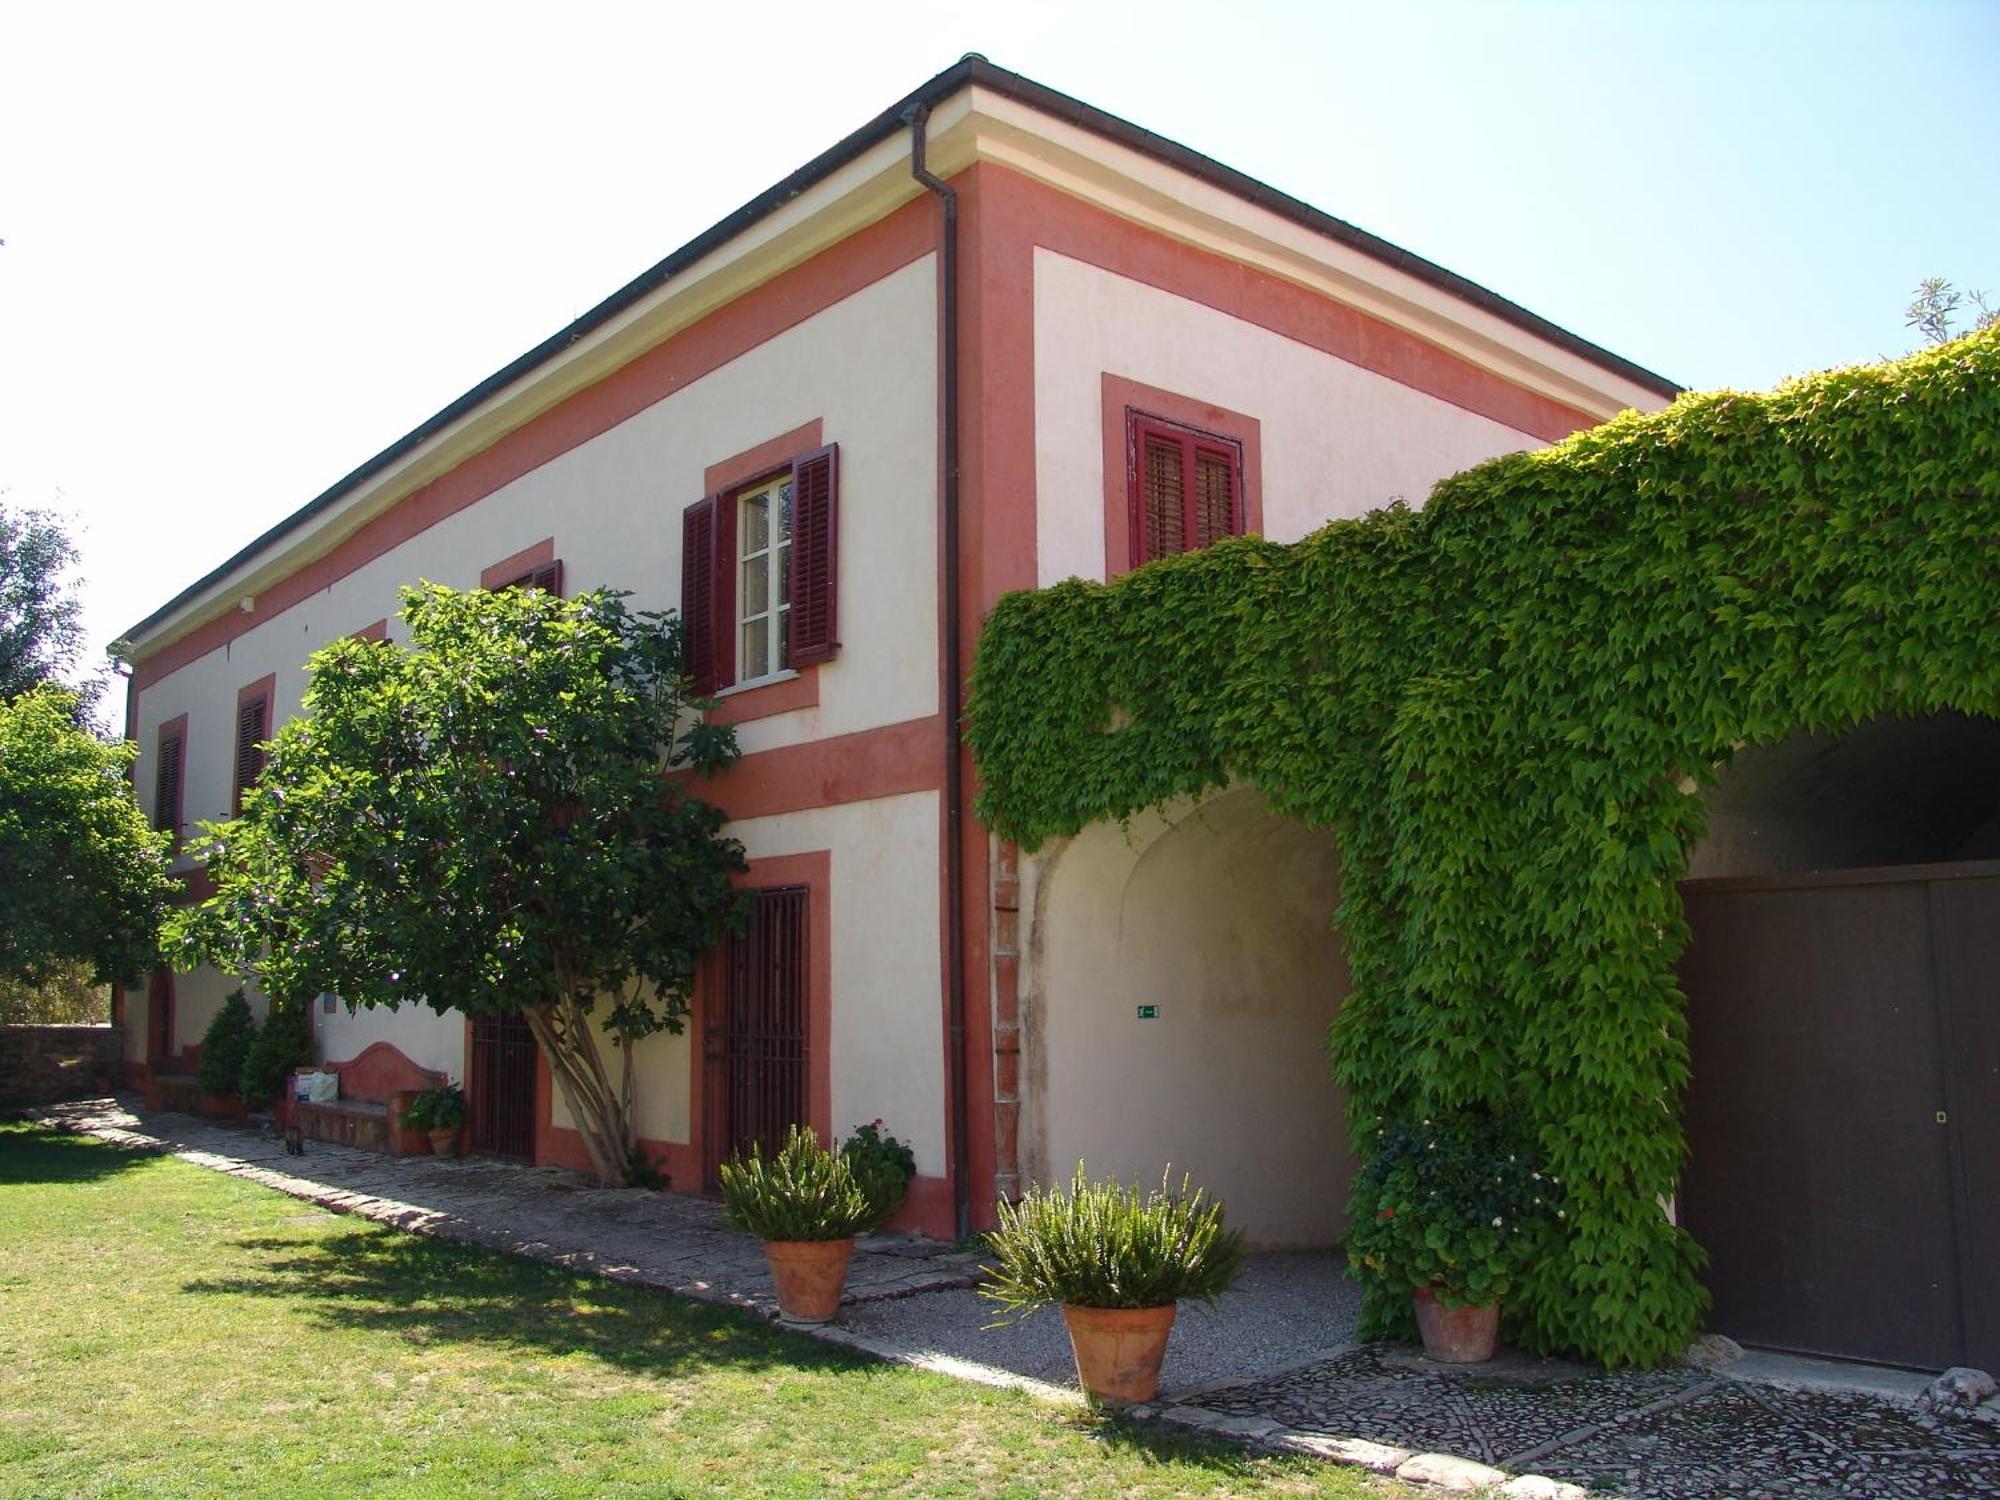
{"x":1288,"y":1307}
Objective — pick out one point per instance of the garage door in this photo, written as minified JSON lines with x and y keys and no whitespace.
{"x":1843,"y":1113}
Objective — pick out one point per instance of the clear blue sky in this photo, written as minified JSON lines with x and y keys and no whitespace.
{"x":249,"y":246}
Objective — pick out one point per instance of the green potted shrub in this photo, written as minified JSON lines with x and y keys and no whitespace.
{"x":883,"y":1165}
{"x":439,"y":1113}
{"x":283,"y":1042}
{"x":1118,"y":1262}
{"x":1454,"y":1206}
{"x":807,"y":1205}
{"x":225,"y":1044}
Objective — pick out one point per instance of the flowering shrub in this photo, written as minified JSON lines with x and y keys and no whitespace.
{"x":882,"y":1165}
{"x":1453,"y":1202}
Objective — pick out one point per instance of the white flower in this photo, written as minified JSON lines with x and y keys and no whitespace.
{"x":1496,"y":1223}
{"x":1561,"y":1215}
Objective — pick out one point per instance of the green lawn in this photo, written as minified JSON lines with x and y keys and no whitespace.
{"x":168,"y":1331}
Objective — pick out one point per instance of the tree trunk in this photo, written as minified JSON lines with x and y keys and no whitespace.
{"x":602,"y":1117}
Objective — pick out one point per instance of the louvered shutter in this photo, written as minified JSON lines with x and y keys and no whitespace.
{"x":1163,"y":497}
{"x":1215,"y":503}
{"x":548,"y":578}
{"x":699,"y":593}
{"x":252,"y":728}
{"x":815,"y":628}
{"x":167,"y":788}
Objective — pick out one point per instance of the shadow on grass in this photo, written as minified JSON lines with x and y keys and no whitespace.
{"x":33,"y":1153}
{"x":433,"y":1291}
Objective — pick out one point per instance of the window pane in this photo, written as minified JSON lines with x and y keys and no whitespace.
{"x":756,"y":523}
{"x":1165,"y":533}
{"x":1214,"y":513}
{"x":785,"y":511}
{"x":756,"y":585}
{"x":783,"y":564}
{"x":784,"y":640}
{"x":756,"y":649}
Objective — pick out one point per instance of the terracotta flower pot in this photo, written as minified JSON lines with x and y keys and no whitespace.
{"x":444,"y":1142}
{"x":1456,"y":1335}
{"x":1119,"y":1349}
{"x":809,"y":1276}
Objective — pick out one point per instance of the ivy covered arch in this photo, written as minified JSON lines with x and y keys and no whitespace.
{"x":1506,"y":708}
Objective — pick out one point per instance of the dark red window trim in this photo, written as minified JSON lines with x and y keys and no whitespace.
{"x":708,"y":568}
{"x":166,"y":818}
{"x":253,"y":727}
{"x":1143,"y":432}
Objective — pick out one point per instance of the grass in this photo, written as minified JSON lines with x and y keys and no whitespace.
{"x":167,"y":1331}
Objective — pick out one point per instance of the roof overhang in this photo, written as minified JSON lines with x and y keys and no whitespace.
{"x":977,"y":113}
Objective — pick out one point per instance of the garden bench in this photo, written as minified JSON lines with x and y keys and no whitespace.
{"x":376,"y":1087}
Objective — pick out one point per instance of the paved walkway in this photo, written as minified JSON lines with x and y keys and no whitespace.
{"x":1272,"y":1364}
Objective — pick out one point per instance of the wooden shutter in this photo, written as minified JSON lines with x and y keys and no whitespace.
{"x":699,"y":594}
{"x":548,"y":578}
{"x":167,"y":786}
{"x":815,"y":551}
{"x":1186,"y":487}
{"x":252,"y":728}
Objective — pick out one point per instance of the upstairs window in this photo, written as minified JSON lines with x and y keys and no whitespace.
{"x":759,"y":580}
{"x":548,"y":578}
{"x":169,"y":773}
{"x":253,"y":728}
{"x":1185,"y":486}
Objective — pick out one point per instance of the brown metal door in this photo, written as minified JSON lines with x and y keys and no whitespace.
{"x":1966,"y":918}
{"x":500,"y":1093}
{"x":1820,"y":1174}
{"x":755,"y":1038}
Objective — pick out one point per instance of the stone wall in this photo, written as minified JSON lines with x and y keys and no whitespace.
{"x":42,"y":1064}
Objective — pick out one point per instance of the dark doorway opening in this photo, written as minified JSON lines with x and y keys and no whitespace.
{"x":500,"y":1099}
{"x":1843,"y":1109}
{"x":160,"y":1020}
{"x":755,"y":1042}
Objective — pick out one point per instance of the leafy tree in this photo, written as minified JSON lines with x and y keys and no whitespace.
{"x":83,"y":880}
{"x":1936,"y":305}
{"x":68,"y":996}
{"x":487,"y":821}
{"x":41,"y":619}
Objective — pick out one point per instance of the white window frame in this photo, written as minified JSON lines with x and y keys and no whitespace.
{"x":774,"y":559}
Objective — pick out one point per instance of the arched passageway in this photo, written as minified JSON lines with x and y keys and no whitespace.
{"x":1182,"y":974}
{"x":1843,"y":982}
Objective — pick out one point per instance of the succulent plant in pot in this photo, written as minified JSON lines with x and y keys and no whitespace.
{"x":806,"y":1204}
{"x":1455,"y":1206}
{"x":1118,"y":1262}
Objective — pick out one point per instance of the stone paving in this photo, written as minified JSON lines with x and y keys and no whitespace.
{"x":1645,"y":1435}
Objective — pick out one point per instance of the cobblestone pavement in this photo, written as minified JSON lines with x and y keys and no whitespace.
{"x":667,"y":1240}
{"x":1651,"y":1435}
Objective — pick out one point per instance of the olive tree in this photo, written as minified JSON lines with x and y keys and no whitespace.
{"x":495,"y":818}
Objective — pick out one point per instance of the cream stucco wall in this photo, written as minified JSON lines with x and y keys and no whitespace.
{"x":864,"y":366}
{"x":1221,"y":916}
{"x":1337,"y":440}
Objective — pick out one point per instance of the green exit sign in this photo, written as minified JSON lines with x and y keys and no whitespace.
{"x":1149,"y":1012}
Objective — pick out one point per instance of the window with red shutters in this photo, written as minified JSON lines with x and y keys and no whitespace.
{"x":760,"y":574}
{"x":548,"y":578}
{"x":1185,"y":486}
{"x":253,"y":727}
{"x":168,"y":776}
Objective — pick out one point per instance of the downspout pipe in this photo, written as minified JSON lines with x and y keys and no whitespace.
{"x":953,"y":685}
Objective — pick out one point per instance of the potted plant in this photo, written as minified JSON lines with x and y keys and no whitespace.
{"x":1454,"y":1206}
{"x":806,"y":1205}
{"x":883,"y":1165}
{"x":439,"y":1113}
{"x":1118,"y":1262}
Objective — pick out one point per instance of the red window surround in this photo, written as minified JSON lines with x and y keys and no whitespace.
{"x":253,"y":727}
{"x":708,"y":565}
{"x":535,"y":567}
{"x":1192,"y":444}
{"x":170,"y":778}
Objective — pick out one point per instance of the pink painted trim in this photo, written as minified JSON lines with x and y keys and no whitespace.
{"x":762,"y":461}
{"x":1120,"y":396}
{"x":520,"y":565}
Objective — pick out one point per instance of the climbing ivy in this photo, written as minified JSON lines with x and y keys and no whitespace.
{"x":1505,"y":709}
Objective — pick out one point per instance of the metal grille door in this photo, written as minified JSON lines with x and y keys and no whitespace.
{"x":500,"y":1101}
{"x":756,"y":1036}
